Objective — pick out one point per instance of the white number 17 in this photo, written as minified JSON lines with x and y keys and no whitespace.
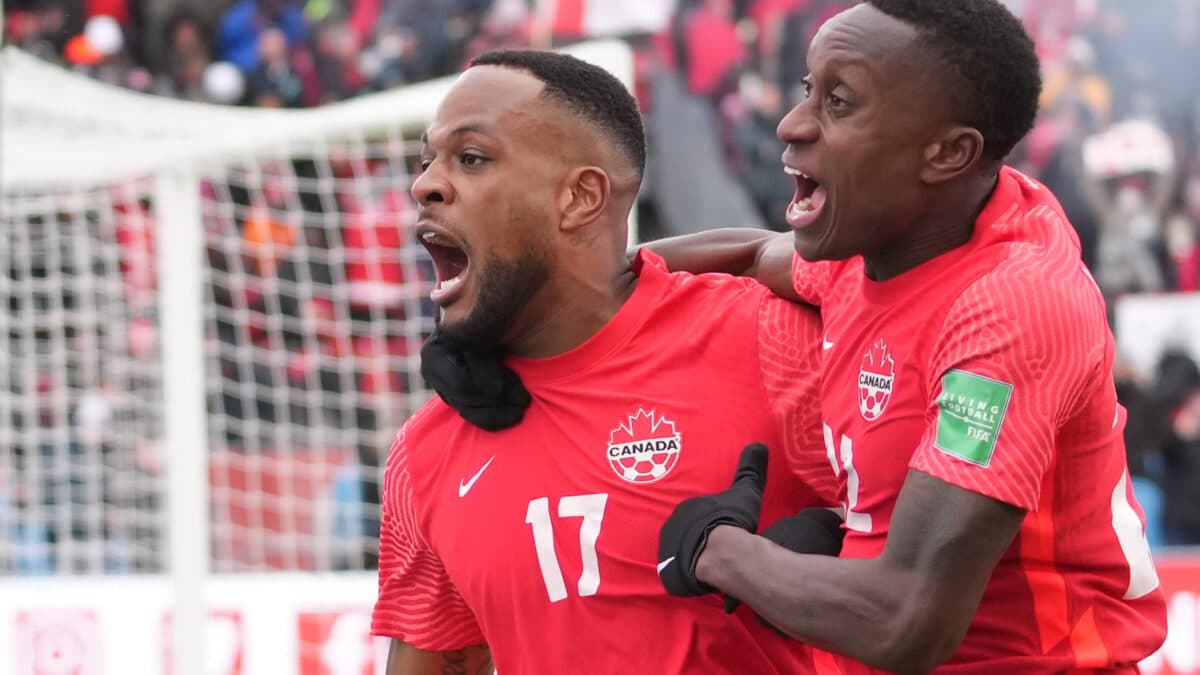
{"x":588,"y":507}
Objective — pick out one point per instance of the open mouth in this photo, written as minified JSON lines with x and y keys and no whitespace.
{"x":808,"y":201}
{"x":449,"y":260}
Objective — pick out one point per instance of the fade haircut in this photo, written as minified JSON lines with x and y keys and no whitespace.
{"x":996,"y":75}
{"x":586,"y":90}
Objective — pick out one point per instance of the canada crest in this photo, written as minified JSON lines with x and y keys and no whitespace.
{"x":876,"y":378}
{"x":644,"y":448}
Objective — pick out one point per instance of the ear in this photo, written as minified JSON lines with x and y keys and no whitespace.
{"x":585,"y":197}
{"x":955,"y":152}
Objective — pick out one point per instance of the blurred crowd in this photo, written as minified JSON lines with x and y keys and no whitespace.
{"x":1118,"y":141}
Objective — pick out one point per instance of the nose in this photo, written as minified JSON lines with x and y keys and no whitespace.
{"x":799,"y":126}
{"x":431,"y":186}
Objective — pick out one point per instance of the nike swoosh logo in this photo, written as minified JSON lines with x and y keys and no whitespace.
{"x":465,"y":486}
{"x":826,"y":345}
{"x":663,"y":565}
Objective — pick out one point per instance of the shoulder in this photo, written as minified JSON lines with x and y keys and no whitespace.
{"x":1028,"y":267}
{"x":713,"y":300}
{"x":1033,"y":310}
{"x":652,"y":271}
{"x":718,"y":287}
{"x":791,"y":325}
{"x":1035,"y":283}
{"x":415,"y":441}
{"x":720,"y":298}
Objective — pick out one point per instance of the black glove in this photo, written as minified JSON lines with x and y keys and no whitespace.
{"x":816,"y":530}
{"x":477,"y":384}
{"x":683,"y":536}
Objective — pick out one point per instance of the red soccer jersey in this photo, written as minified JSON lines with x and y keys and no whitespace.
{"x":541,"y":540}
{"x":990,"y":368}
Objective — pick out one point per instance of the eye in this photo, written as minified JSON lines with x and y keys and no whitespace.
{"x":836,"y":103}
{"x":471,"y":159}
{"x":425,"y":162}
{"x":808,"y":87}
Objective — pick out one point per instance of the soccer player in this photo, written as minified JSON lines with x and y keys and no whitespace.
{"x":534,"y":544}
{"x":967,"y":395}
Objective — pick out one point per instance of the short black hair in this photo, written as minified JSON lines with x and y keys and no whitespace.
{"x":992,"y":57}
{"x":582,"y":88}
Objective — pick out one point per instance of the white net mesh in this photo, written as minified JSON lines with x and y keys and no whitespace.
{"x":316,"y":312}
{"x":79,"y":387}
{"x":314,"y":309}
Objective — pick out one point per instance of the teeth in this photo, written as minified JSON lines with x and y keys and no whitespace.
{"x":450,"y":283}
{"x":437,"y":239}
{"x":800,"y":208}
{"x":795,"y":172}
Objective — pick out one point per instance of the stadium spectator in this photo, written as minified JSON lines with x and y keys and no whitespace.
{"x":267,"y":239}
{"x":281,"y":78}
{"x":1128,"y":259}
{"x":1077,"y":80}
{"x":1051,"y":23}
{"x":189,"y":53}
{"x":755,"y":153}
{"x":336,"y":62}
{"x":1178,"y":394}
{"x":1144,"y":432}
{"x":243,"y":24}
{"x":1183,"y":237}
{"x":712,"y":52}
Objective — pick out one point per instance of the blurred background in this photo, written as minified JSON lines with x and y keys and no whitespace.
{"x":314,"y":294}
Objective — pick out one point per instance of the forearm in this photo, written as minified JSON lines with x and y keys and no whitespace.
{"x":854,"y":607}
{"x":405,"y":659}
{"x":733,"y":250}
{"x":763,"y":256}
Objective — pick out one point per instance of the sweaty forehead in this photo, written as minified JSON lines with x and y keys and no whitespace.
{"x":865,"y":36}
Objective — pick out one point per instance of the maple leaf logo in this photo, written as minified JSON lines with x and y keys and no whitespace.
{"x":641,"y":426}
{"x":879,"y":360}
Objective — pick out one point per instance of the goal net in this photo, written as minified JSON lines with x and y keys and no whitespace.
{"x":311,"y":299}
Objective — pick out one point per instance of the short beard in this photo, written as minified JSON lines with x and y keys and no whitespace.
{"x":505,"y":289}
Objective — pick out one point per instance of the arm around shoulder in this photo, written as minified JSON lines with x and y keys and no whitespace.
{"x":404,"y":659}
{"x":745,"y":252}
{"x":906,"y":611}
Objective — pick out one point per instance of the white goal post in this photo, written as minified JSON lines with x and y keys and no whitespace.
{"x":213,"y":323}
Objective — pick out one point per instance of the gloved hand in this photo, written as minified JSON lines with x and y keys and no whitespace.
{"x":477,"y":384}
{"x":816,"y":530}
{"x":683,"y":536}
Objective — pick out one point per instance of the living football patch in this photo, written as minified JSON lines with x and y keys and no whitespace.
{"x":970,"y":413}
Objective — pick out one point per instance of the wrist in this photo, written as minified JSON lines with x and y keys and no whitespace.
{"x":712,"y":565}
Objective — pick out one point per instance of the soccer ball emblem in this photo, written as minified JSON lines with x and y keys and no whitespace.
{"x":644,"y":448}
{"x":876,"y":378}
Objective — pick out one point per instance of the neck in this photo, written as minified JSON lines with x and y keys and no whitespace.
{"x":938,"y":232}
{"x":572,"y":308}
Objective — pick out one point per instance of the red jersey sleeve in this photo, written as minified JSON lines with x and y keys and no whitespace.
{"x":417,"y":604}
{"x":789,"y":351}
{"x":1016,"y":352}
{"x":811,"y":279}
